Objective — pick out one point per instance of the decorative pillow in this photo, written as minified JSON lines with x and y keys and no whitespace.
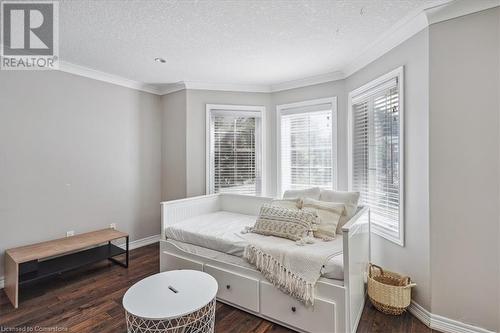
{"x":287,"y":203}
{"x":312,"y":193}
{"x":349,"y":199}
{"x":283,"y":222}
{"x":329,"y":214}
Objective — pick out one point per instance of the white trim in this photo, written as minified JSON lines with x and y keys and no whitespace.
{"x":106,"y":77}
{"x":457,"y":9}
{"x":227,"y":86}
{"x":171,"y":88}
{"x":307,"y":81}
{"x":376,"y":82}
{"x":447,"y":325}
{"x":141,"y":242}
{"x":399,"y":74}
{"x":442,"y":324}
{"x":404,"y":29}
{"x":420,"y":313}
{"x":335,"y":135}
{"x":263,"y":124}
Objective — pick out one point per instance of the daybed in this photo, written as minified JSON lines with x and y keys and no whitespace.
{"x":203,"y":233}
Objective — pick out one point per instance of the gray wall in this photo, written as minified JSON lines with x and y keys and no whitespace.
{"x":174,"y":145}
{"x":76,"y":154}
{"x":464,"y":168}
{"x":413,"y":259}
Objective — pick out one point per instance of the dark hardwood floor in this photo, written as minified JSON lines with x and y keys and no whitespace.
{"x":89,"y":300}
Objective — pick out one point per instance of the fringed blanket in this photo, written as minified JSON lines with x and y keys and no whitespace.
{"x":293,"y":269}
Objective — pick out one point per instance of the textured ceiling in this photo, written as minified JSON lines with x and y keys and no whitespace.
{"x":238,"y":41}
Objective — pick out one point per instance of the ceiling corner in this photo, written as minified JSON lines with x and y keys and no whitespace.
{"x":165,"y":89}
{"x":457,"y":8}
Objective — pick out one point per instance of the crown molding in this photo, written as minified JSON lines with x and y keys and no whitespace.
{"x":68,"y":67}
{"x":414,"y":23}
{"x":256,"y":88}
{"x":262,"y":88}
{"x":308,"y":81}
{"x":458,"y":8}
{"x":169,"y":88}
{"x":400,"y":32}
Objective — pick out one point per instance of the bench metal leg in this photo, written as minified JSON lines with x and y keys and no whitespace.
{"x":123,"y":264}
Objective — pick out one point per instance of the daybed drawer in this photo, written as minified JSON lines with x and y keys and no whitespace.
{"x":278,"y":305}
{"x":171,"y":262}
{"x":235,"y":288}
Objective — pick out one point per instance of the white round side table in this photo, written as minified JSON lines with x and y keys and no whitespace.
{"x":172,"y":302}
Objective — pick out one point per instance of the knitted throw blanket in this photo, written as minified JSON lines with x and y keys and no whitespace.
{"x":293,"y":269}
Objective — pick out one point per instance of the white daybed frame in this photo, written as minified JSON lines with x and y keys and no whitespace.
{"x":338,"y":304}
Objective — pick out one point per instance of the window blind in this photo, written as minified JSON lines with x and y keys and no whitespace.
{"x":307,"y":149}
{"x":235,"y":153}
{"x":376,"y":153}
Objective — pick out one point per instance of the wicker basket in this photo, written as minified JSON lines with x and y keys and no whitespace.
{"x":389,"y":292}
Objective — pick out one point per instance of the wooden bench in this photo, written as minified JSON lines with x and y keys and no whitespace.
{"x":27,"y":264}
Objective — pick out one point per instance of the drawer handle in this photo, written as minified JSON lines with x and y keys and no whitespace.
{"x":294,"y":309}
{"x":228,"y":287}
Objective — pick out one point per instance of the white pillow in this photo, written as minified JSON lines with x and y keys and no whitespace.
{"x":311,"y":193}
{"x":329,"y":214}
{"x":349,"y":199}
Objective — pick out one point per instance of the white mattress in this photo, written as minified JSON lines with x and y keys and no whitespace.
{"x":221,"y":231}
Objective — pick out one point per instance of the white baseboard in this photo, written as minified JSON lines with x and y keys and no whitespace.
{"x":422,"y":314}
{"x":446,"y":325}
{"x":443,"y":324}
{"x":141,"y":242}
{"x":132,"y":245}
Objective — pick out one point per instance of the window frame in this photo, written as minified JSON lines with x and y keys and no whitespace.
{"x":244,"y":109}
{"x":398,"y":74}
{"x":312,"y":102}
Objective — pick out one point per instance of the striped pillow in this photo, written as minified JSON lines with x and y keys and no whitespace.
{"x":284,"y":222}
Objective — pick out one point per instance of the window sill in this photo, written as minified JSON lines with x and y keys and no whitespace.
{"x":387,"y":234}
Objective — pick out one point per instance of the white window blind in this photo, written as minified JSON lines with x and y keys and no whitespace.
{"x":235,"y":152}
{"x":307,"y":147}
{"x":376,"y":155}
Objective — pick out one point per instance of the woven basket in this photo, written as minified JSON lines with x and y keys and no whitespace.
{"x":389,"y":292}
